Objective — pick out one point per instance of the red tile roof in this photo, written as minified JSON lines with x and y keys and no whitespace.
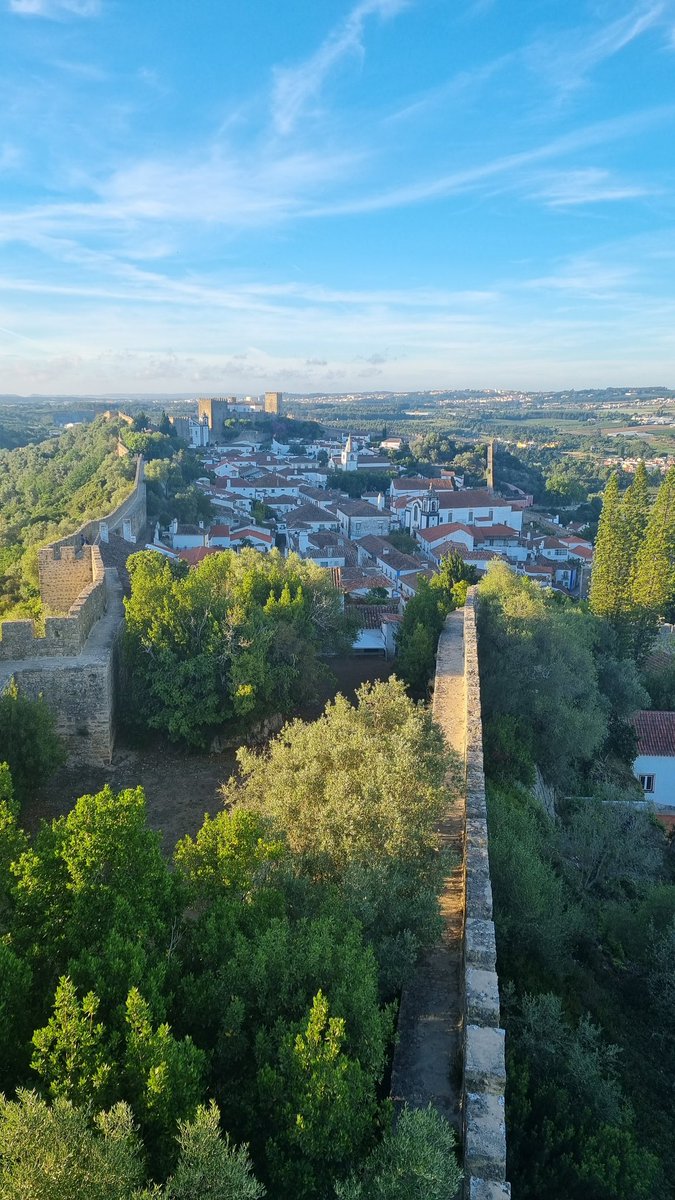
{"x":495,"y":531}
{"x":656,"y":733}
{"x":195,"y":555}
{"x":248,"y":532}
{"x":438,"y":532}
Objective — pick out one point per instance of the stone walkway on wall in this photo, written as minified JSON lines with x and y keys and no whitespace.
{"x":427,"y":1065}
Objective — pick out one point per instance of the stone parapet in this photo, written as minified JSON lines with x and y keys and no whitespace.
{"x":65,"y":635}
{"x":484,"y":1068}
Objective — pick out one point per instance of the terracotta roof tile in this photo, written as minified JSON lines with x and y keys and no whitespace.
{"x":656,"y":733}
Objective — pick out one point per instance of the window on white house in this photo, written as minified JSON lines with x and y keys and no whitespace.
{"x":491,"y":513}
{"x":470,"y":518}
{"x":647,"y":782}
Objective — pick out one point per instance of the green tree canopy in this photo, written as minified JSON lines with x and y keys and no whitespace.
{"x":30,"y":745}
{"x":537,"y":665}
{"x":238,"y":636}
{"x":55,"y":1152}
{"x":312,"y":783}
{"x":414,"y":1161}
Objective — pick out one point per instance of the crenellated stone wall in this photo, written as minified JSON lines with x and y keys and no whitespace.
{"x":67,"y":634}
{"x":64,"y":572}
{"x":484,"y":1068}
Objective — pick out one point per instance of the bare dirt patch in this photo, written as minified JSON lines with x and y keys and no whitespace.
{"x":180,"y":786}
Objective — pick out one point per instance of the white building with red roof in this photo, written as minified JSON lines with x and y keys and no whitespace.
{"x":655,"y":763}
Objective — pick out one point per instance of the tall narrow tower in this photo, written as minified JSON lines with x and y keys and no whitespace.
{"x":490,"y":471}
{"x":274,"y":403}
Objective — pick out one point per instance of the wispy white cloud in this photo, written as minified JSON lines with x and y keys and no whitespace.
{"x":568,"y":189}
{"x":566,"y":61}
{"x":227,"y":188}
{"x":296,"y":87}
{"x":81,"y":70}
{"x":55,"y":9}
{"x":455,"y":182}
{"x":463,"y":86}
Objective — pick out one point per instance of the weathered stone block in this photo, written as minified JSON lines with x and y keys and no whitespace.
{"x":478,"y":895}
{"x":484,"y":1062}
{"x":476,"y":831}
{"x":476,"y":857}
{"x":481,"y":1001}
{"x":485,"y":1136}
{"x":485,"y":1189}
{"x":476,"y":808}
{"x":479,"y":943}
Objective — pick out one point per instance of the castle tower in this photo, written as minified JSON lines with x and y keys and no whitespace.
{"x":274,"y":403}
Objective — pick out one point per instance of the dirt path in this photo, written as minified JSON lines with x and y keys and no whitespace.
{"x":427,"y":1061}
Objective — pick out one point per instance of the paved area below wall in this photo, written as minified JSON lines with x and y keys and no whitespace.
{"x":427,"y":1064}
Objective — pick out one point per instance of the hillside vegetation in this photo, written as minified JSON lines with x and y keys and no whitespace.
{"x":48,"y":490}
{"x":584,"y":895}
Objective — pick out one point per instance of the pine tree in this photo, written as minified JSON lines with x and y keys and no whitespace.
{"x":653,"y":590}
{"x":610,"y":594}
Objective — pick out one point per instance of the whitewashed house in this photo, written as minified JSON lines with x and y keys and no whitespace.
{"x":655,"y":763}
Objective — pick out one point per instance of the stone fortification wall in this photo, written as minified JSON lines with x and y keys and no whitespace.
{"x":484,"y":1071}
{"x":65,"y":569}
{"x":64,"y":572}
{"x":73,"y":666}
{"x":450,"y":1051}
{"x":78,"y":687}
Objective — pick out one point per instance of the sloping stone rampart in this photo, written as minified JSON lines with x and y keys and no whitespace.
{"x":133,"y":509}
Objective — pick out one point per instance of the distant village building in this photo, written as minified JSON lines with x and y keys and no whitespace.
{"x":195,"y":433}
{"x":358,"y":518}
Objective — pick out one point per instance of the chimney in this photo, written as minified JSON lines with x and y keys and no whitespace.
{"x":380,"y":501}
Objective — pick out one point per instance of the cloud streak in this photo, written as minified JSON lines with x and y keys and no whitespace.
{"x":295,"y":88}
{"x":566,"y":62}
{"x":55,"y":10}
{"x":598,"y":134}
{"x":572,"y":189}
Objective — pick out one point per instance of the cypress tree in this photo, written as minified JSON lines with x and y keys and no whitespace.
{"x":635,"y":513}
{"x":654,"y":580}
{"x":610,"y":582}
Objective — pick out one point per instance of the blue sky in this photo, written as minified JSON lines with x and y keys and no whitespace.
{"x":390,"y":195}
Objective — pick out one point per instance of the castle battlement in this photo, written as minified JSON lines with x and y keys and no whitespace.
{"x":62,"y":570}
